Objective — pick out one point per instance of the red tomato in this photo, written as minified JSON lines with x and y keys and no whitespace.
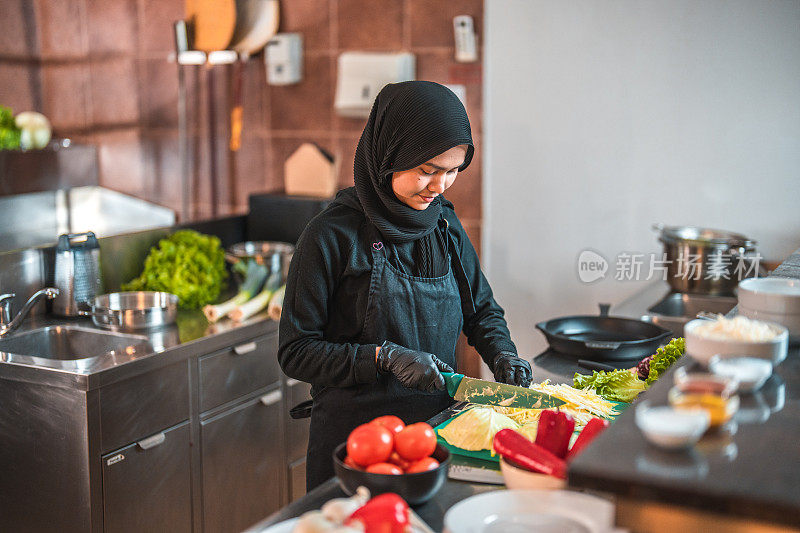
{"x":395,"y":459}
{"x":390,"y":422}
{"x":415,"y":441}
{"x":352,"y":464}
{"x":369,"y":444}
{"x":384,"y":468}
{"x":423,"y":465}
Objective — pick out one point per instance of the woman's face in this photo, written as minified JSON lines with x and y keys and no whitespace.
{"x":418,"y":186}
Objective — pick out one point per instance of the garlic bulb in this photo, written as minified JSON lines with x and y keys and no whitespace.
{"x":339,"y":509}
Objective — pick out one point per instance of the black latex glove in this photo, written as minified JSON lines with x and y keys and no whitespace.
{"x":414,"y":369}
{"x":510,"y":368}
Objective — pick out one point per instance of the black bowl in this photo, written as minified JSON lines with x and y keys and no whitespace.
{"x":413,"y":488}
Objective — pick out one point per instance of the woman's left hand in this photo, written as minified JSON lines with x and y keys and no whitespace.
{"x":511,"y":369}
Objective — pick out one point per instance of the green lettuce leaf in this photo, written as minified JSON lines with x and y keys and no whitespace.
{"x":618,"y":386}
{"x":665,"y":357}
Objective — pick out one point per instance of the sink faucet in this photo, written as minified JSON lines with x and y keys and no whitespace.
{"x":7,"y":324}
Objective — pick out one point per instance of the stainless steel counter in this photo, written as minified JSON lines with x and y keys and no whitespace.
{"x":158,"y":347}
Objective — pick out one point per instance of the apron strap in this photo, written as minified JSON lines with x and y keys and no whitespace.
{"x":464,"y":288}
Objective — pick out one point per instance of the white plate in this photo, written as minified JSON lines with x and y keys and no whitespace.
{"x":512,"y":511}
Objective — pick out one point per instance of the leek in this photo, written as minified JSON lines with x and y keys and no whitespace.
{"x":254,"y":279}
{"x":275,"y":306}
{"x":247,"y":309}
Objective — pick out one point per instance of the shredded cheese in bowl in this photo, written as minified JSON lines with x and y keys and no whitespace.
{"x":738,"y":328}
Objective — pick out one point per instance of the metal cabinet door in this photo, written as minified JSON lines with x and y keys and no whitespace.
{"x":238,"y":371}
{"x":147,"y":485}
{"x":243,"y":464}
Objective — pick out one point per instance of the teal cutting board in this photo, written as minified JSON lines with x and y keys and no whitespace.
{"x":486,"y":455}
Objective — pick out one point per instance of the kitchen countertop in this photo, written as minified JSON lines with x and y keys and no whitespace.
{"x":750,"y":470}
{"x":161,"y":346}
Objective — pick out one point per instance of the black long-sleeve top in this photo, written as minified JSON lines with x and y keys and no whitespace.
{"x":326,"y":300}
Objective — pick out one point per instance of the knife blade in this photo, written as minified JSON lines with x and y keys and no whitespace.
{"x":483,"y":392}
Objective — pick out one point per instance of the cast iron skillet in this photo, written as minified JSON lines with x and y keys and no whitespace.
{"x":603,"y":338}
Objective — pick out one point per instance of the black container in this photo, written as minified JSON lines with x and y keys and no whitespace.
{"x":415,"y":489}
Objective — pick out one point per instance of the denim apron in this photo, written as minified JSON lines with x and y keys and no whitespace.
{"x":419,"y":313}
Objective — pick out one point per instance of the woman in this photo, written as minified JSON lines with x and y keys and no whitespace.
{"x":385,"y":278}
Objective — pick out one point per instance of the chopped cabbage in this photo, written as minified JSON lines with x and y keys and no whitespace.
{"x":529,"y":430}
{"x":475,"y":429}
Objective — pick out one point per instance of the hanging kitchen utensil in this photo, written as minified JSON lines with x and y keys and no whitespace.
{"x":256,"y":23}
{"x":212,"y":140}
{"x":211,"y":23}
{"x":603,"y":338}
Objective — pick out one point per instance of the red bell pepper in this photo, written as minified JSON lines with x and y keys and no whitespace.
{"x":593,"y":428}
{"x":386,"y":513}
{"x":555,"y":430}
{"x":530,"y":456}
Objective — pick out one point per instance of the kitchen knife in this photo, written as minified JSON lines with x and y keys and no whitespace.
{"x":483,"y":392}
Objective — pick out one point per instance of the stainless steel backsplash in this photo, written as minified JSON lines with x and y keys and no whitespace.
{"x":121,"y":258}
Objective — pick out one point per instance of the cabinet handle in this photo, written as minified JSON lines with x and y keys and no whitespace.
{"x":291,"y":382}
{"x":152,"y":442}
{"x":272,"y":397}
{"x":244,"y":348}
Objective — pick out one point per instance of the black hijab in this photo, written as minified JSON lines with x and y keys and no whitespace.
{"x":410,"y":123}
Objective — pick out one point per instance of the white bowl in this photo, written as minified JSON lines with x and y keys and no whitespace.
{"x":703,"y":348}
{"x":773,"y":300}
{"x":749,"y":372}
{"x":519,"y":478}
{"x":775,"y":295}
{"x":670,"y":428}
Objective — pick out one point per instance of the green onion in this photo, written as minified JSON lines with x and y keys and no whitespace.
{"x":254,"y":279}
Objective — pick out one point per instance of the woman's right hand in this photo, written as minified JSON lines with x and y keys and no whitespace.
{"x":414,"y":369}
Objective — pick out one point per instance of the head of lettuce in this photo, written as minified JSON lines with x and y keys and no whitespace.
{"x":187,"y":264}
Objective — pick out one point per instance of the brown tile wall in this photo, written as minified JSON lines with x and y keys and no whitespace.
{"x":101,"y":71}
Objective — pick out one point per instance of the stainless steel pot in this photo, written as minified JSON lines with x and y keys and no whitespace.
{"x":133,"y":310}
{"x":275,"y":255}
{"x":706,"y":261}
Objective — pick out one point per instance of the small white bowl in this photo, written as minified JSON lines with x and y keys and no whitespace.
{"x":670,"y":428}
{"x":773,"y":300}
{"x":750,"y":372}
{"x":519,"y":478}
{"x":704,"y":348}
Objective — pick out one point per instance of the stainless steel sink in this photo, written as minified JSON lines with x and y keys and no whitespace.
{"x":71,"y":342}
